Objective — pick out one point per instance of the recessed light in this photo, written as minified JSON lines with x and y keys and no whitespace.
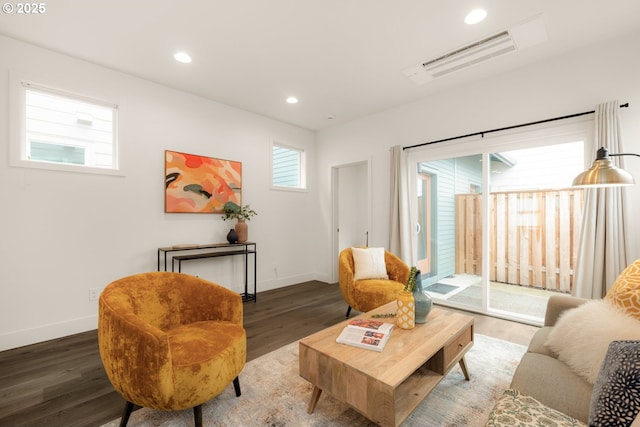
{"x":475,"y":16}
{"x":292,"y":100}
{"x":182,"y":57}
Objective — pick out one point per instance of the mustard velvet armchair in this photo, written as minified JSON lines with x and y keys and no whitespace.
{"x":365,"y":295}
{"x":170,"y":341}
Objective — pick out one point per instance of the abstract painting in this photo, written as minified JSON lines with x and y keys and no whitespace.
{"x":198,"y":184}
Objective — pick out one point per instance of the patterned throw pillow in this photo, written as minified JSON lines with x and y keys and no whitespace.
{"x":625,"y":292}
{"x":616,"y":394}
{"x":517,"y":409}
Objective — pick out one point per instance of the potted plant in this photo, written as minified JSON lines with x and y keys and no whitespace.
{"x":241,"y":214}
{"x":411,"y":281}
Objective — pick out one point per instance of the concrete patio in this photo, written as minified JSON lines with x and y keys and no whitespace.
{"x":465,"y":289}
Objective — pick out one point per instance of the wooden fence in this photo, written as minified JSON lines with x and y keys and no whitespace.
{"x":534,"y":237}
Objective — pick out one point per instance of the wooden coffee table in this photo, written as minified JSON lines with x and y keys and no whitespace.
{"x":386,"y":387}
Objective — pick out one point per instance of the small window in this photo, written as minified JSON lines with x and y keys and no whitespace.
{"x":65,"y":131}
{"x":57,"y":153}
{"x":288,"y":167}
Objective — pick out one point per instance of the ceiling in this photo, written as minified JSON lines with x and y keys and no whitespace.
{"x":343,"y":59}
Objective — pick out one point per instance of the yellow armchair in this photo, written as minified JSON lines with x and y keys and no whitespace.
{"x":365,"y":295}
{"x":170,"y":341}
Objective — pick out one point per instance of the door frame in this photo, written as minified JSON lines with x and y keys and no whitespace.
{"x":533,"y":136}
{"x":335,"y":220}
{"x":426,"y":265}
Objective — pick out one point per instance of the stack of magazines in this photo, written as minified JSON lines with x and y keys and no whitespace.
{"x":366,"y":333}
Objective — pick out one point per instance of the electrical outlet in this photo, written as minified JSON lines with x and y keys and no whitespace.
{"x":93,"y":294}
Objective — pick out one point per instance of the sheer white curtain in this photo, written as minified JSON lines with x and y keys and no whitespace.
{"x":401,"y":233}
{"x":602,"y":253}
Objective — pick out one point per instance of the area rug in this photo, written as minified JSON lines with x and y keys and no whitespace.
{"x":274,"y":395}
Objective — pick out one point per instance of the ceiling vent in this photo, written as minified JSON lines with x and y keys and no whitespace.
{"x":469,"y":55}
{"x":519,"y":37}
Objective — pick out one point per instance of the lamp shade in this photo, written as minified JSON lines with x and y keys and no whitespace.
{"x":603,"y":173}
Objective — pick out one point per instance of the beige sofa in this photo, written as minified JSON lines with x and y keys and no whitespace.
{"x":542,"y":376}
{"x":595,"y":379}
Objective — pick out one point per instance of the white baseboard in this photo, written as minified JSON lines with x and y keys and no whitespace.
{"x":47,"y":332}
{"x":281,"y":282}
{"x":51,"y":331}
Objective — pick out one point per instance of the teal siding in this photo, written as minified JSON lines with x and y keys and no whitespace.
{"x":452,"y":176}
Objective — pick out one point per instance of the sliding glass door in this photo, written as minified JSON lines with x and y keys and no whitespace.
{"x":497,"y":231}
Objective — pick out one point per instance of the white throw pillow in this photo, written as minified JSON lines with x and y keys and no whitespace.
{"x":582,"y":335}
{"x":369,"y":263}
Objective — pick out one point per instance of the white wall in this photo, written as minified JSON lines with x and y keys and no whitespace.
{"x":63,"y":233}
{"x":573,"y":83}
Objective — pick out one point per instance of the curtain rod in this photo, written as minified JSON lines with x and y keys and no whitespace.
{"x":506,"y":128}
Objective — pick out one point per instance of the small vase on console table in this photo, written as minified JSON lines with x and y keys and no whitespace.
{"x":242,"y":230}
{"x":232,"y":236}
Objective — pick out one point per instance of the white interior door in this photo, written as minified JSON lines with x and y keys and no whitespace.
{"x":351,"y":207}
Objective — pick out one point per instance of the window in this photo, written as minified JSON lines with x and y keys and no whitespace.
{"x":288,"y":167}
{"x":59,"y":130}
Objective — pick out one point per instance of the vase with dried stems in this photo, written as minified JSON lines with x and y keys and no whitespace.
{"x":241,"y":214}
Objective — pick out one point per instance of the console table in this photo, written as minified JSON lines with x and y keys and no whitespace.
{"x":182,"y":253}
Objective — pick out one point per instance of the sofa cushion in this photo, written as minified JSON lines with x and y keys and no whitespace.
{"x":369,"y":263}
{"x":582,"y":335}
{"x":517,"y":409}
{"x":537,"y":344}
{"x":554,"y":384}
{"x":616,"y":393}
{"x":625,"y":292}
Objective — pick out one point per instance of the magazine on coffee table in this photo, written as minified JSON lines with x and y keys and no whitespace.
{"x":366,"y":333}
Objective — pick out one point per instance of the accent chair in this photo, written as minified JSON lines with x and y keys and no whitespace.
{"x":170,"y":341}
{"x":364,"y":292}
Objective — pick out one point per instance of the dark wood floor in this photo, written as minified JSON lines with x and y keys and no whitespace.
{"x":62,"y":382}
